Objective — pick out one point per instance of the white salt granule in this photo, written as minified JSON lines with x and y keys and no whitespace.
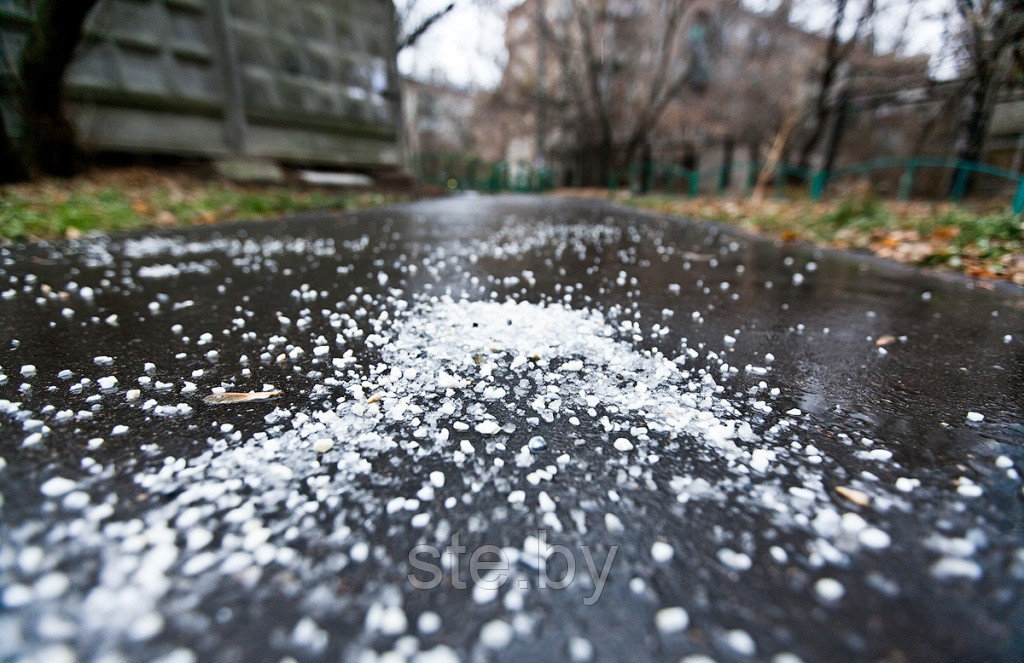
{"x":737,"y":561}
{"x":496,"y":634}
{"x":580,"y":649}
{"x":661,"y":552}
{"x":829,"y":589}
{"x":741,"y":642}
{"x":951,"y":568}
{"x":671,"y":620}
{"x":57,"y":486}
{"x":428,"y":622}
{"x":487,"y":427}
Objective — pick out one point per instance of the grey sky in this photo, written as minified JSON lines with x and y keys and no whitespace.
{"x":467,"y":45}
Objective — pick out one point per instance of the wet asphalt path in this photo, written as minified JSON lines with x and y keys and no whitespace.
{"x":698,"y":396}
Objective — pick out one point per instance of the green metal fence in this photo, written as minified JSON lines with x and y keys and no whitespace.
{"x":676,"y":179}
{"x":961,"y":173}
{"x":460,"y":172}
{"x":667,"y":177}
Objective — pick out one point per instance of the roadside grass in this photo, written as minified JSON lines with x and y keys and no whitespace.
{"x":982,"y":242}
{"x":138,"y":198}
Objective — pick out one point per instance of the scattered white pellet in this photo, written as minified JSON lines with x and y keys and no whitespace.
{"x":907,"y":484}
{"x":879,"y":454}
{"x":872,"y":537}
{"x":57,"y":486}
{"x":661,"y":552}
{"x":392,"y":620}
{"x":760,"y":459}
{"x":741,"y":642}
{"x":580,"y":649}
{"x":829,"y":589}
{"x":428,"y":622}
{"x":737,"y":561}
{"x":612,"y":523}
{"x":487,"y":427}
{"x":496,"y":634}
{"x":950,"y":568}
{"x":544,"y":502}
{"x":671,"y":620}
{"x":968,"y":488}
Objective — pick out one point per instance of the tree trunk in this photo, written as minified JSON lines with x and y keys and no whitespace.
{"x":976,"y":126}
{"x":839,"y":126}
{"x":646,"y":169}
{"x":728,"y":155}
{"x":774,"y":156}
{"x":49,"y":135}
{"x":754,"y":155}
{"x":833,"y":56}
{"x":12,"y":168}
{"x":604,"y":163}
{"x":819,"y":117}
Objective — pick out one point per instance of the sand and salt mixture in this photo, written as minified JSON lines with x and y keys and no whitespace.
{"x":423,"y":398}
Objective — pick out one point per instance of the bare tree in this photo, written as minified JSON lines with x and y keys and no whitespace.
{"x":619,"y":65}
{"x":412,"y":26}
{"x":757,"y":97}
{"x":835,"y":54}
{"x":992,"y":36}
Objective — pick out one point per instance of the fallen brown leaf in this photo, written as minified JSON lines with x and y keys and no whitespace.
{"x":166,"y":218}
{"x":229,"y":397}
{"x":857,"y":497}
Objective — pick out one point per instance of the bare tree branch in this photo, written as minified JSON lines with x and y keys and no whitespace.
{"x":413,"y":36}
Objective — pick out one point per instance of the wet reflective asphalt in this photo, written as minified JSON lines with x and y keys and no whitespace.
{"x":873,"y":356}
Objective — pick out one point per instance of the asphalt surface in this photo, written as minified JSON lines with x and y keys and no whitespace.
{"x":677,"y":399}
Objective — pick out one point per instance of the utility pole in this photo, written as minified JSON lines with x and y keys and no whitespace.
{"x":542,"y":56}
